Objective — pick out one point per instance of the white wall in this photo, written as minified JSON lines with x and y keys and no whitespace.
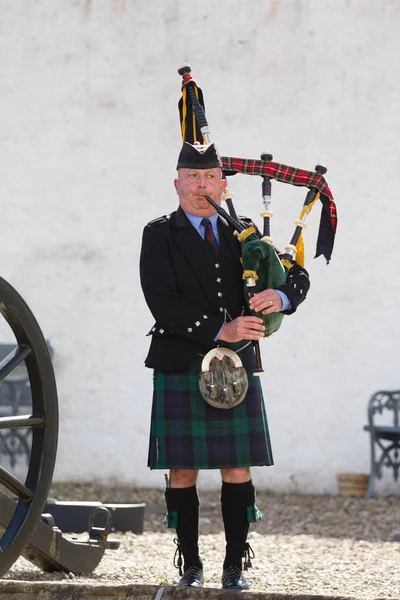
{"x":89,"y":137}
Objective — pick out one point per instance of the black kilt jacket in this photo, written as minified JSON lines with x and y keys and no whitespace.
{"x":190,"y":291}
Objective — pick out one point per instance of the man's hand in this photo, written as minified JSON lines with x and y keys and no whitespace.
{"x":242,"y":328}
{"x":266,"y":302}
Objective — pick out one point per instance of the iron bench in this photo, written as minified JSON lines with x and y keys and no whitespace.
{"x":384,"y":429}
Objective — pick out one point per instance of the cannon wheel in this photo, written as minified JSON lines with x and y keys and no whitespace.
{"x":30,"y":495}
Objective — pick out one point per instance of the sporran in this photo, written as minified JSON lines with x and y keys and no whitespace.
{"x":223,"y":380}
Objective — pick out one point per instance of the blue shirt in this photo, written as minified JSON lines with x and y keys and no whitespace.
{"x":196,"y":222}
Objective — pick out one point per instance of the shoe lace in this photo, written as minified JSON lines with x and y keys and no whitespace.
{"x":189,"y":572}
{"x":178,"y":557}
{"x":232,"y":571}
{"x":248,"y":554}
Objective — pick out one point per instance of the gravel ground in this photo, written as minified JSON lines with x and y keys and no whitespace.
{"x":328,"y":545}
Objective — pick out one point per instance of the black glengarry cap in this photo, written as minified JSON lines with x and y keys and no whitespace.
{"x":197,"y":156}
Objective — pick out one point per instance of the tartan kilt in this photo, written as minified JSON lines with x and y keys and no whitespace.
{"x":187,"y":433}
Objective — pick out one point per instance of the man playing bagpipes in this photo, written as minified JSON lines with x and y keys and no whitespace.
{"x":191,"y":275}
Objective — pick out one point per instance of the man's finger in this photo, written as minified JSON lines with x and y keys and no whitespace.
{"x":261,"y":302}
{"x":256,"y":329}
{"x":257,"y":325}
{"x":250,"y":319}
{"x":251,"y":336}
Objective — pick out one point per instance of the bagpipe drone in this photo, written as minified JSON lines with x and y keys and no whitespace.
{"x":263,"y":266}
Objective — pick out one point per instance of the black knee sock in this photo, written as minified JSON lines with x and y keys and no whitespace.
{"x":183,"y":511}
{"x":236,"y":500}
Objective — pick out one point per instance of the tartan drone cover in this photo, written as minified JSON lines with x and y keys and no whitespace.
{"x":298,"y":177}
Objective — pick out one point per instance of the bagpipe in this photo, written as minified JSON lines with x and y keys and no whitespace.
{"x":263,"y":266}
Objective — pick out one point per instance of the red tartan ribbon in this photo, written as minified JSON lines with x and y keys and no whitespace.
{"x":293,"y":176}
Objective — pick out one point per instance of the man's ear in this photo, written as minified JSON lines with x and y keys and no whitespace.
{"x":176,"y":183}
{"x":224,"y":183}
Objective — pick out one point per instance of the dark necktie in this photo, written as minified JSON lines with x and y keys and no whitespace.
{"x":209,"y":236}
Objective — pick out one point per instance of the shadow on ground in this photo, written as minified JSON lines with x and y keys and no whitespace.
{"x":287,"y":514}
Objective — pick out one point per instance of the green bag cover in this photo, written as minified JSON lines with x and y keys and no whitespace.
{"x":261,"y":257}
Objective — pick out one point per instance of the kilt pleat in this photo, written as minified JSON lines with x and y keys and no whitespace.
{"x":188,"y":433}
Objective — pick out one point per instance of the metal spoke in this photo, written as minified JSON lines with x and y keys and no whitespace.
{"x":14,"y":485}
{"x":19,"y":421}
{"x":15,"y":358}
{"x":30,"y":383}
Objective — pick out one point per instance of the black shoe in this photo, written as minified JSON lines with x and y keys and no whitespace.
{"x":192,"y":578}
{"x":232,"y":579}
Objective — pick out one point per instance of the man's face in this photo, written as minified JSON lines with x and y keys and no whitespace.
{"x":193,"y":184}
